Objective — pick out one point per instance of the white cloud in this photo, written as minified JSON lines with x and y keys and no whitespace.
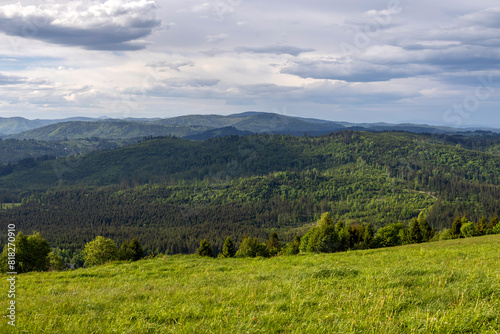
{"x":229,"y":56}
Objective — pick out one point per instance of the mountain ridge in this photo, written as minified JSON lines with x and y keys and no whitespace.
{"x":189,"y":125}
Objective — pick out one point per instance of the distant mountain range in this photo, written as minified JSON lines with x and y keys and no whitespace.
{"x":196,"y":127}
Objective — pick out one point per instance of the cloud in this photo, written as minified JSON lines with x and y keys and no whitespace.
{"x":11,"y":79}
{"x":191,"y":82}
{"x":275,"y":49}
{"x":110,"y":25}
{"x":489,"y":17}
{"x":175,"y":65}
{"x":350,"y":70}
{"x":216,"y":38}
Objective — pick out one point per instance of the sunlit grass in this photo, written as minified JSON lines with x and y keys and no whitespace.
{"x":445,"y":287}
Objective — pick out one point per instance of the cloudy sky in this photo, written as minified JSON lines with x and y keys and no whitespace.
{"x":360,"y":61}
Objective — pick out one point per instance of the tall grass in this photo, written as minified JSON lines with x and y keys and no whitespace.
{"x":443,"y":287}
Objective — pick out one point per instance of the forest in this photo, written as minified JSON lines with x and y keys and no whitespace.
{"x":171,"y":193}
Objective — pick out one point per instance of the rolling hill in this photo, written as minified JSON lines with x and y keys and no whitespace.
{"x":106,"y":129}
{"x":193,"y":125}
{"x":170,"y":192}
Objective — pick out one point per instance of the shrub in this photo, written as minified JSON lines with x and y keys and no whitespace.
{"x":99,"y":251}
{"x":32,"y":254}
{"x":496,"y":229}
{"x":251,"y":248}
{"x":291,"y":248}
{"x":446,"y":234}
{"x":391,"y":235}
{"x":468,"y":230}
{"x":56,"y":262}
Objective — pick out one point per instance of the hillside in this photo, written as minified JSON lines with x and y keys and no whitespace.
{"x":440,"y":287}
{"x":13,"y":150}
{"x":170,"y":192}
{"x":194,"y":125}
{"x":12,"y":125}
{"x":106,"y":129}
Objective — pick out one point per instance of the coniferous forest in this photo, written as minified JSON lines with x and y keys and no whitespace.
{"x":172,"y":193}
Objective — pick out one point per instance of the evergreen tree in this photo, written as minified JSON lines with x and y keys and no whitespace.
{"x":342,"y":237}
{"x":205,"y":249}
{"x":493,"y":221}
{"x":125,"y":253}
{"x":296,"y":243}
{"x":273,"y":244}
{"x":368,"y":235}
{"x":455,"y":228}
{"x":426,"y":230}
{"x":481,"y":226}
{"x":415,"y":234}
{"x":228,"y":249}
{"x":136,"y":249}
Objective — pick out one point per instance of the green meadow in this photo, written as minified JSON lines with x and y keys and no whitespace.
{"x":440,"y":287}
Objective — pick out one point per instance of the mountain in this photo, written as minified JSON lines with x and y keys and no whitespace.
{"x":193,"y":125}
{"x":106,"y":129}
{"x":18,"y":124}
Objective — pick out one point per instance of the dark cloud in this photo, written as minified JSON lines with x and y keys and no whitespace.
{"x":351,"y":70}
{"x":11,"y":79}
{"x":275,"y":49}
{"x":111,"y":25}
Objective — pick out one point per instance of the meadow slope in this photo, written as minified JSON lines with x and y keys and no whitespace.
{"x":443,"y":287}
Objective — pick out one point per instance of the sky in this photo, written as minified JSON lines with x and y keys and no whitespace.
{"x":434,"y":62}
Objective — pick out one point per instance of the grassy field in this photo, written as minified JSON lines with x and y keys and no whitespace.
{"x":443,"y":287}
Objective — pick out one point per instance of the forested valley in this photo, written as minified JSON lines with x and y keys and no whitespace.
{"x":171,"y":193}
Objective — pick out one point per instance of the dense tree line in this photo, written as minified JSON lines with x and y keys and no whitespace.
{"x":32,"y":253}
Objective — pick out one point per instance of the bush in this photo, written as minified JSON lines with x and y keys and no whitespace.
{"x":292,"y":248}
{"x":456,"y":226}
{"x":496,"y":229}
{"x":252,"y":248}
{"x":468,"y":230}
{"x":322,"y":238}
{"x":446,"y":234}
{"x":99,"y":251}
{"x":32,"y":254}
{"x":391,"y":235}
{"x":56,"y":262}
